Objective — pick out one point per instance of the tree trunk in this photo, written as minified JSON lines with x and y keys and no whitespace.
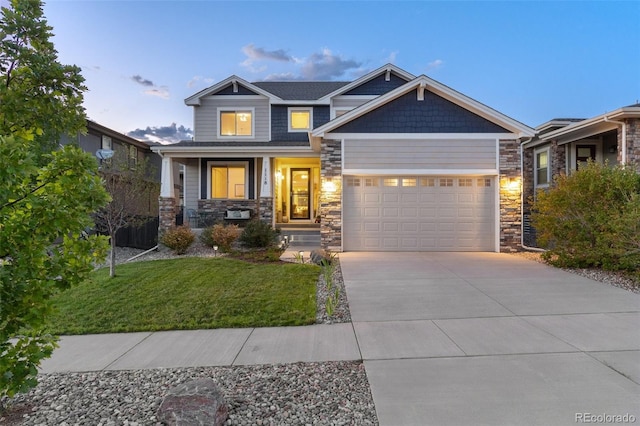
{"x":112,"y":263}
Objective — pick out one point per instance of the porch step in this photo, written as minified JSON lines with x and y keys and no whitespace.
{"x":299,"y":237}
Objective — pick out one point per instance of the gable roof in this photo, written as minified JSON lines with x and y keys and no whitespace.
{"x":388,"y":68}
{"x":592,"y":126}
{"x":300,"y":90}
{"x":425,"y":83}
{"x":194,"y":100}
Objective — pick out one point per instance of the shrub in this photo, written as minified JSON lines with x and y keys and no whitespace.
{"x":591,"y":218}
{"x":178,"y":239}
{"x":258,"y":234}
{"x":223,"y":236}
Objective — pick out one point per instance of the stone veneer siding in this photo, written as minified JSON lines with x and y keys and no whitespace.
{"x":167,"y":212}
{"x":331,"y":202}
{"x":510,"y":197}
{"x":217,"y":208}
{"x":633,"y":143}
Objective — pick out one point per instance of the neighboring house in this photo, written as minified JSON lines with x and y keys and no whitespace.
{"x":389,"y":162}
{"x":132,"y":151}
{"x":561,"y":145}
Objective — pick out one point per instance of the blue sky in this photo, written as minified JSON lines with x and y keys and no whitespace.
{"x":532,"y":61}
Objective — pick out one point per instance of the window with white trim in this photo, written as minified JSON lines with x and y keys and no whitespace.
{"x":106,"y":142}
{"x":235,"y":123}
{"x":542,"y":176}
{"x":228,"y":181}
{"x":300,"y":119}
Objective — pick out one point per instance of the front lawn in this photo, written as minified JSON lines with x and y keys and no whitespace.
{"x":188,"y":293}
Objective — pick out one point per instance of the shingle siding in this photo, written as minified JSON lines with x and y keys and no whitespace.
{"x":228,"y":90}
{"x":280,"y":123}
{"x":378,"y":85}
{"x":432,"y":115}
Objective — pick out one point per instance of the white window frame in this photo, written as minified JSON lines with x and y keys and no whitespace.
{"x":106,"y":142}
{"x":535,"y":167}
{"x":211,"y":164}
{"x":299,"y":109}
{"x":252,"y":110}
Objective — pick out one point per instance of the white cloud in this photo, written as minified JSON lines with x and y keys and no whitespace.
{"x":435,"y":64}
{"x":326,"y":66}
{"x":163,"y":134}
{"x":198,"y":79}
{"x":160,"y":92}
{"x":255,"y":54}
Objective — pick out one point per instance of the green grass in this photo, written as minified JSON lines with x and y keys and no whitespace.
{"x":188,"y":293}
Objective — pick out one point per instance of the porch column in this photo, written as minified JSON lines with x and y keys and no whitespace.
{"x":166,"y":186}
{"x":265,"y":181}
{"x":167,"y":201}
{"x":266,"y":192}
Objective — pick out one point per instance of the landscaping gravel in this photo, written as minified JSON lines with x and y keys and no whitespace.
{"x":328,"y":393}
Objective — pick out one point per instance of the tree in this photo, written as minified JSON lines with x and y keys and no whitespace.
{"x":43,"y":250}
{"x":36,"y":90}
{"x":131,"y":189}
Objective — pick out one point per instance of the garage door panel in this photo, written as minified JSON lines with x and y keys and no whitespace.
{"x":419,"y":213}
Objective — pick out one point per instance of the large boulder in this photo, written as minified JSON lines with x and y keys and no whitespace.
{"x":317,"y":256}
{"x":198,"y":402}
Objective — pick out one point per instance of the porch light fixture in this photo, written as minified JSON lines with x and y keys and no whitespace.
{"x":215,"y":251}
{"x":513,"y":184}
{"x":329,"y":186}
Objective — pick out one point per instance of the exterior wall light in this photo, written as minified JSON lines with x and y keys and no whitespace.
{"x":215,"y":251}
{"x":329,"y":186}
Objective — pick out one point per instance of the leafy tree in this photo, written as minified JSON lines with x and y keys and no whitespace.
{"x":130,"y":189}
{"x":43,"y":250}
{"x":591,"y":218}
{"x":36,"y":91}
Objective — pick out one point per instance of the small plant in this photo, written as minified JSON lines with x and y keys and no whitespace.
{"x":258,"y":234}
{"x":178,"y":239}
{"x":333,"y":291}
{"x":220,"y":235}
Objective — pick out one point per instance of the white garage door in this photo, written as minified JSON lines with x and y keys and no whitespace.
{"x":420,"y":213}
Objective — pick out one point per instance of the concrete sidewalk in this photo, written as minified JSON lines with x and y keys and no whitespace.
{"x":446,"y":339}
{"x":200,"y":348}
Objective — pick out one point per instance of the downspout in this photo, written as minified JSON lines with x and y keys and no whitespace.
{"x":522,"y":202}
{"x":623,"y":159}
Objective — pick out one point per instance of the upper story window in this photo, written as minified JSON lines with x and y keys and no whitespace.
{"x":542,"y":169}
{"x":300,"y":119}
{"x":106,"y":142}
{"x":234,"y":123}
{"x":133,"y":156}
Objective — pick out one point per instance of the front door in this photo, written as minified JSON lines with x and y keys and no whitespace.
{"x":300,"y":191}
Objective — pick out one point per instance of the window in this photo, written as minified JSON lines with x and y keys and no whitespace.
{"x":542,"y":171}
{"x":133,"y":156}
{"x":353,"y":181}
{"x":427,"y":182}
{"x":300,"y":119}
{"x":408,"y":182}
{"x":228,"y":181}
{"x":446,"y":182}
{"x":371,"y":182}
{"x":106,"y":142}
{"x":236,"y":123}
{"x":465,"y":182}
{"x":484,"y":182}
{"x":390,"y":182}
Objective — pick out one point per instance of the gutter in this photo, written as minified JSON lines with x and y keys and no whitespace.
{"x":522,"y":202}
{"x":623,"y":159}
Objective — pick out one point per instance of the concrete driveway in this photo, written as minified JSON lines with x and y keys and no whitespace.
{"x":492,"y":339}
